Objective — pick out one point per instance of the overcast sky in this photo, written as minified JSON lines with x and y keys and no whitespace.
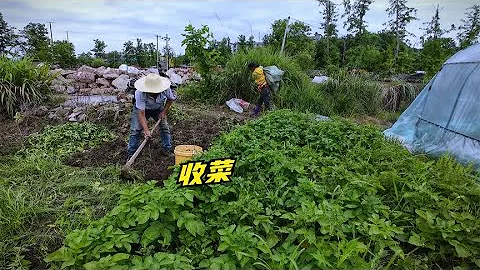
{"x":116,"y":21}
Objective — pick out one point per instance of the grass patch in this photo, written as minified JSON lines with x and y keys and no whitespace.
{"x":41,"y":200}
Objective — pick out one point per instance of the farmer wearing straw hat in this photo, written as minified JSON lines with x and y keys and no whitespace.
{"x":153,"y":98}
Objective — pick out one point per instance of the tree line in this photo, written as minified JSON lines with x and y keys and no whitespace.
{"x":386,"y":51}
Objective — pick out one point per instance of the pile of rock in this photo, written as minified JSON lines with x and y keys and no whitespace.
{"x":187,"y":74}
{"x":90,"y":81}
{"x":82,"y":112}
{"x":104,"y":80}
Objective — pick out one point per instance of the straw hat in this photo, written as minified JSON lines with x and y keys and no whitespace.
{"x":152,"y":83}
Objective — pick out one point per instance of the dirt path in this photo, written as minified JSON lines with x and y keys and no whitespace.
{"x":199,"y":127}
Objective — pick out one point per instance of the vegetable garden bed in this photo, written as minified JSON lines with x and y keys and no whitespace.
{"x":304,"y":194}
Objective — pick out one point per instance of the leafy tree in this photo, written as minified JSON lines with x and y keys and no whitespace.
{"x":37,"y":40}
{"x":139,"y":53}
{"x":63,"y":53}
{"x":196,"y":42}
{"x":129,"y":52}
{"x":223,"y":48}
{"x":355,"y":13}
{"x":167,"y":50}
{"x":251,"y":42}
{"x":114,"y":59}
{"x":8,"y":38}
{"x":470,"y":30}
{"x":329,"y":16}
{"x":401,"y":15}
{"x":99,"y":48}
{"x":327,"y":52}
{"x":181,"y":60}
{"x":433,"y":29}
{"x":98,"y":62}
{"x":366,"y":56}
{"x":241,"y":43}
{"x":323,"y":55}
{"x":85,"y":58}
{"x":436,"y":48}
{"x":434,"y":53}
{"x":297,"y":37}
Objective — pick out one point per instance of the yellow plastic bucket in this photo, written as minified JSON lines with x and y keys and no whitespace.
{"x":185,"y":152}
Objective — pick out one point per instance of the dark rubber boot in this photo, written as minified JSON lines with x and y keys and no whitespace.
{"x":256,"y":111}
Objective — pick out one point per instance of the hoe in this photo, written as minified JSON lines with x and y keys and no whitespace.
{"x":125,"y":170}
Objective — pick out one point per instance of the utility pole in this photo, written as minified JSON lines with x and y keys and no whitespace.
{"x":285,"y":34}
{"x":51,"y":34}
{"x":166,"y":38}
{"x":157,"y":50}
{"x":67,"y":37}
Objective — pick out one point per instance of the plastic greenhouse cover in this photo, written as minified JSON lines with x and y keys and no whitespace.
{"x":445,"y":118}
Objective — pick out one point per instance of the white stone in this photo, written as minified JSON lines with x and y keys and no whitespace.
{"x":121,"y":82}
{"x":151,"y":70}
{"x":133,"y":71}
{"x":123,"y":67}
{"x":67,"y":72}
{"x":111,"y":73}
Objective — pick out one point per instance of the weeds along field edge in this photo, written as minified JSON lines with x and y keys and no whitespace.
{"x":41,"y":200}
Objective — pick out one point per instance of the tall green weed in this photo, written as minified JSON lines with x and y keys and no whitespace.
{"x":343,"y":94}
{"x":22,"y":82}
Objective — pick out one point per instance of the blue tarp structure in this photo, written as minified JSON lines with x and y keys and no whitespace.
{"x":445,"y":116}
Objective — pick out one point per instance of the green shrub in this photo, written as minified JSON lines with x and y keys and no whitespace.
{"x":22,"y":82}
{"x":304,"y":194}
{"x":235,"y":80}
{"x":98,"y":62}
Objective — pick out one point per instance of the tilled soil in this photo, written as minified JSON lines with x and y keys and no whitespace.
{"x":198,"y":128}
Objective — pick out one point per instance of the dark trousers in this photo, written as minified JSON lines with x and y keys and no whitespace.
{"x":264,"y":97}
{"x":136,"y":130}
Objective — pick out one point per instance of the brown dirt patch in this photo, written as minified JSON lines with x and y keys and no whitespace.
{"x":199,"y":127}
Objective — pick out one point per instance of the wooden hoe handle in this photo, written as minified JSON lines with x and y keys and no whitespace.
{"x":132,"y":159}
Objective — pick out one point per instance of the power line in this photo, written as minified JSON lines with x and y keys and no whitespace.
{"x":317,"y":25}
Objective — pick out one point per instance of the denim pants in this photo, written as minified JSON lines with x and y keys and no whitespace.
{"x":264,"y":97}
{"x":136,"y":130}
